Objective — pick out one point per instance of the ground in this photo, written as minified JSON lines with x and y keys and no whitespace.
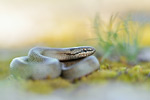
{"x":109,"y":72}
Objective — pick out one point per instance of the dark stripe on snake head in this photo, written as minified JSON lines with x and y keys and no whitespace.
{"x":83,"y":51}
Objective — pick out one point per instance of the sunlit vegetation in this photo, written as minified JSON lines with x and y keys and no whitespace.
{"x":119,"y":38}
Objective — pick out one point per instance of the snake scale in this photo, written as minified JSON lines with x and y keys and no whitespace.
{"x":45,"y":62}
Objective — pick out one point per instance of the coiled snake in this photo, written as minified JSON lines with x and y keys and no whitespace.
{"x":44,"y":62}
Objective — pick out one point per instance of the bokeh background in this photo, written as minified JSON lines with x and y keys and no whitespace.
{"x":68,"y":23}
{"x":60,"y":23}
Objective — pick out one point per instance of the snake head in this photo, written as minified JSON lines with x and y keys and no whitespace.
{"x":83,"y":51}
{"x":87,"y":50}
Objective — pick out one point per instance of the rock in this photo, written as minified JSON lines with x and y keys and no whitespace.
{"x":144,"y":55}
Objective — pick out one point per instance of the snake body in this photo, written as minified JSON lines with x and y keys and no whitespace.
{"x":43,"y":62}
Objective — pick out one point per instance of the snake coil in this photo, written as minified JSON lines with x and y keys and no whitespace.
{"x":44,"y":62}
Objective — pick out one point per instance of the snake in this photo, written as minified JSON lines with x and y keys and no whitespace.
{"x":45,"y":62}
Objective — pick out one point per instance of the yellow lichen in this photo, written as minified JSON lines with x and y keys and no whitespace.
{"x":109,"y":71}
{"x":45,"y":86}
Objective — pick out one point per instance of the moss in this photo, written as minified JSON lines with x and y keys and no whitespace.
{"x":100,"y":76}
{"x":110,"y":71}
{"x":45,"y":86}
{"x":4,"y":69}
{"x":38,"y":87}
{"x":117,"y":71}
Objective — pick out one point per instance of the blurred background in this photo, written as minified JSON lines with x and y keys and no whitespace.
{"x":62,"y":23}
{"x":69,"y":23}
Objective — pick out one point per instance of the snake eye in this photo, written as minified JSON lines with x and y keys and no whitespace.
{"x":85,"y":50}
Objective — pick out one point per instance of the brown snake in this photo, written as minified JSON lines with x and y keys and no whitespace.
{"x":43,"y":62}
